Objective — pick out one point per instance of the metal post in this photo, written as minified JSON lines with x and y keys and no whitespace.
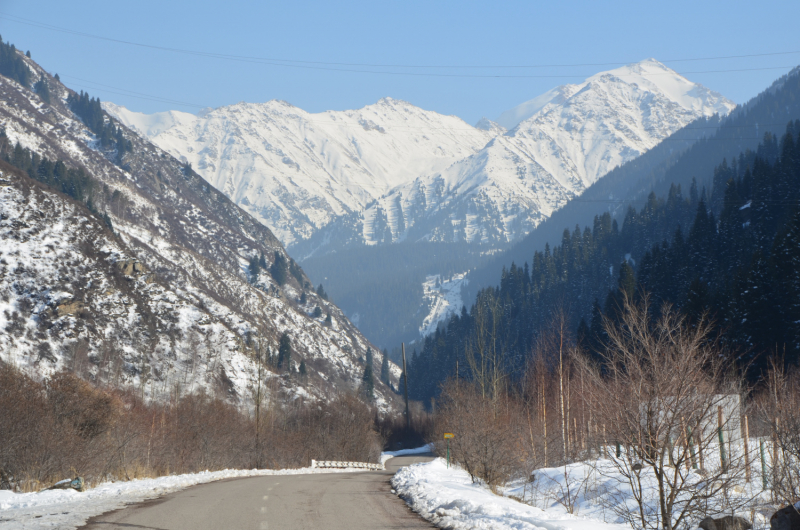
{"x":448,"y":454}
{"x":405,"y":377}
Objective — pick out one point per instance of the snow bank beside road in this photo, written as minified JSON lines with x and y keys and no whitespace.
{"x":64,"y":509}
{"x":449,"y":499}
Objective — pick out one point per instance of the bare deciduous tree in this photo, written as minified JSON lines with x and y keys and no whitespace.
{"x":489,"y":434}
{"x":660,"y":379}
{"x":780,"y":409}
{"x":483,"y":353}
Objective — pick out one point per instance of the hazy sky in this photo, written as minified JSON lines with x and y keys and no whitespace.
{"x":426,"y":37}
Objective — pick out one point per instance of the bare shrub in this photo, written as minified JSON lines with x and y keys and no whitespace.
{"x":68,"y":426}
{"x":24,"y":431}
{"x":779,"y":409}
{"x":487,"y":432}
{"x":659,"y":390}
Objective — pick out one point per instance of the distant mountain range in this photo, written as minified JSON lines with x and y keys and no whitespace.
{"x":392,"y":172}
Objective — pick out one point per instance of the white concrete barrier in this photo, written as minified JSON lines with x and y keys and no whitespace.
{"x":333,"y":464}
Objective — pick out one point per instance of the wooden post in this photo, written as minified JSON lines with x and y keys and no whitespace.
{"x":691,"y":450}
{"x":746,"y":450}
{"x":670,"y":448}
{"x":763,"y":464}
{"x":775,"y":455}
{"x":544,"y":421}
{"x":685,"y":444}
{"x":405,"y":378}
{"x":723,"y":459}
{"x":700,"y":444}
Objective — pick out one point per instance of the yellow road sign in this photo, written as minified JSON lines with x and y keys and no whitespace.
{"x":448,"y":435}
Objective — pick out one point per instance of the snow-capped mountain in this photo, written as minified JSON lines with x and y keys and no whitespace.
{"x":392,"y":172}
{"x":145,"y":277}
{"x":297,"y":172}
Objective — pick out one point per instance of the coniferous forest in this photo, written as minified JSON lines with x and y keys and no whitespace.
{"x":731,"y":253}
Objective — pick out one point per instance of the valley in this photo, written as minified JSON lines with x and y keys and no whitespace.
{"x":451,"y":266}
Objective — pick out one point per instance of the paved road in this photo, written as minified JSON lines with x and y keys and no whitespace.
{"x":335,"y":501}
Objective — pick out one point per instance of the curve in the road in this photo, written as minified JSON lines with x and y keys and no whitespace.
{"x":335,"y":501}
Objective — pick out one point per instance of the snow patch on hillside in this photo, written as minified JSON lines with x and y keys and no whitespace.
{"x":443,"y":297}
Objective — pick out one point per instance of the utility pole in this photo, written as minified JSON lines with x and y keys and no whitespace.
{"x":405,"y":377}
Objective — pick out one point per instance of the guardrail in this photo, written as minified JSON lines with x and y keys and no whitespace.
{"x":333,"y":464}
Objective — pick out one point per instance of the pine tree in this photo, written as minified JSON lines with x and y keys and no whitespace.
{"x":284,"y":352}
{"x":385,"y":367}
{"x":42,"y":90}
{"x":12,"y":66}
{"x":253,"y":268}
{"x":279,"y":269}
{"x":296,"y":271}
{"x":302,"y":370}
{"x":367,"y":380}
{"x":321,"y":292}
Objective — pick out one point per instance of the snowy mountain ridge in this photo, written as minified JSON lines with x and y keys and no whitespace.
{"x":392,"y":172}
{"x":557,"y":145}
{"x":296,"y":171}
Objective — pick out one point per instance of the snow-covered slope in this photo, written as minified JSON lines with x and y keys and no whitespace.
{"x":391,"y":171}
{"x":296,"y":171}
{"x":557,"y":145}
{"x":443,"y":298}
{"x":166,"y":300}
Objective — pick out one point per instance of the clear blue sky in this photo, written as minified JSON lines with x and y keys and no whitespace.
{"x":407,"y":32}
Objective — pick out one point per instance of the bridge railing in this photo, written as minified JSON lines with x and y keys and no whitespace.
{"x":335,"y":464}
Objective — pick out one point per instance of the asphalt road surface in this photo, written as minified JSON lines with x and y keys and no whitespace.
{"x":335,"y":501}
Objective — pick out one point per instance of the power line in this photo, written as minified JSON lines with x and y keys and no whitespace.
{"x":328,"y":66}
{"x":131,"y":93}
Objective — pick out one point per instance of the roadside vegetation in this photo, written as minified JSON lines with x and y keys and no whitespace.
{"x":667,"y":424}
{"x":65,"y":427}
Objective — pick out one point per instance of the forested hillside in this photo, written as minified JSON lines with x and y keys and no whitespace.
{"x":690,"y":153}
{"x":380,"y":287}
{"x":732,"y":252}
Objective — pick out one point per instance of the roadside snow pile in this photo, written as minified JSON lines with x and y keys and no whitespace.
{"x":64,"y":509}
{"x":386,"y":455}
{"x":449,"y":499}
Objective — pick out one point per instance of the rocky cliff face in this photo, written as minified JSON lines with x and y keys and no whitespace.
{"x":150,"y":283}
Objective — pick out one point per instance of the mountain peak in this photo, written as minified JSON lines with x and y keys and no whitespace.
{"x":648,"y":75}
{"x":485,"y":124}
